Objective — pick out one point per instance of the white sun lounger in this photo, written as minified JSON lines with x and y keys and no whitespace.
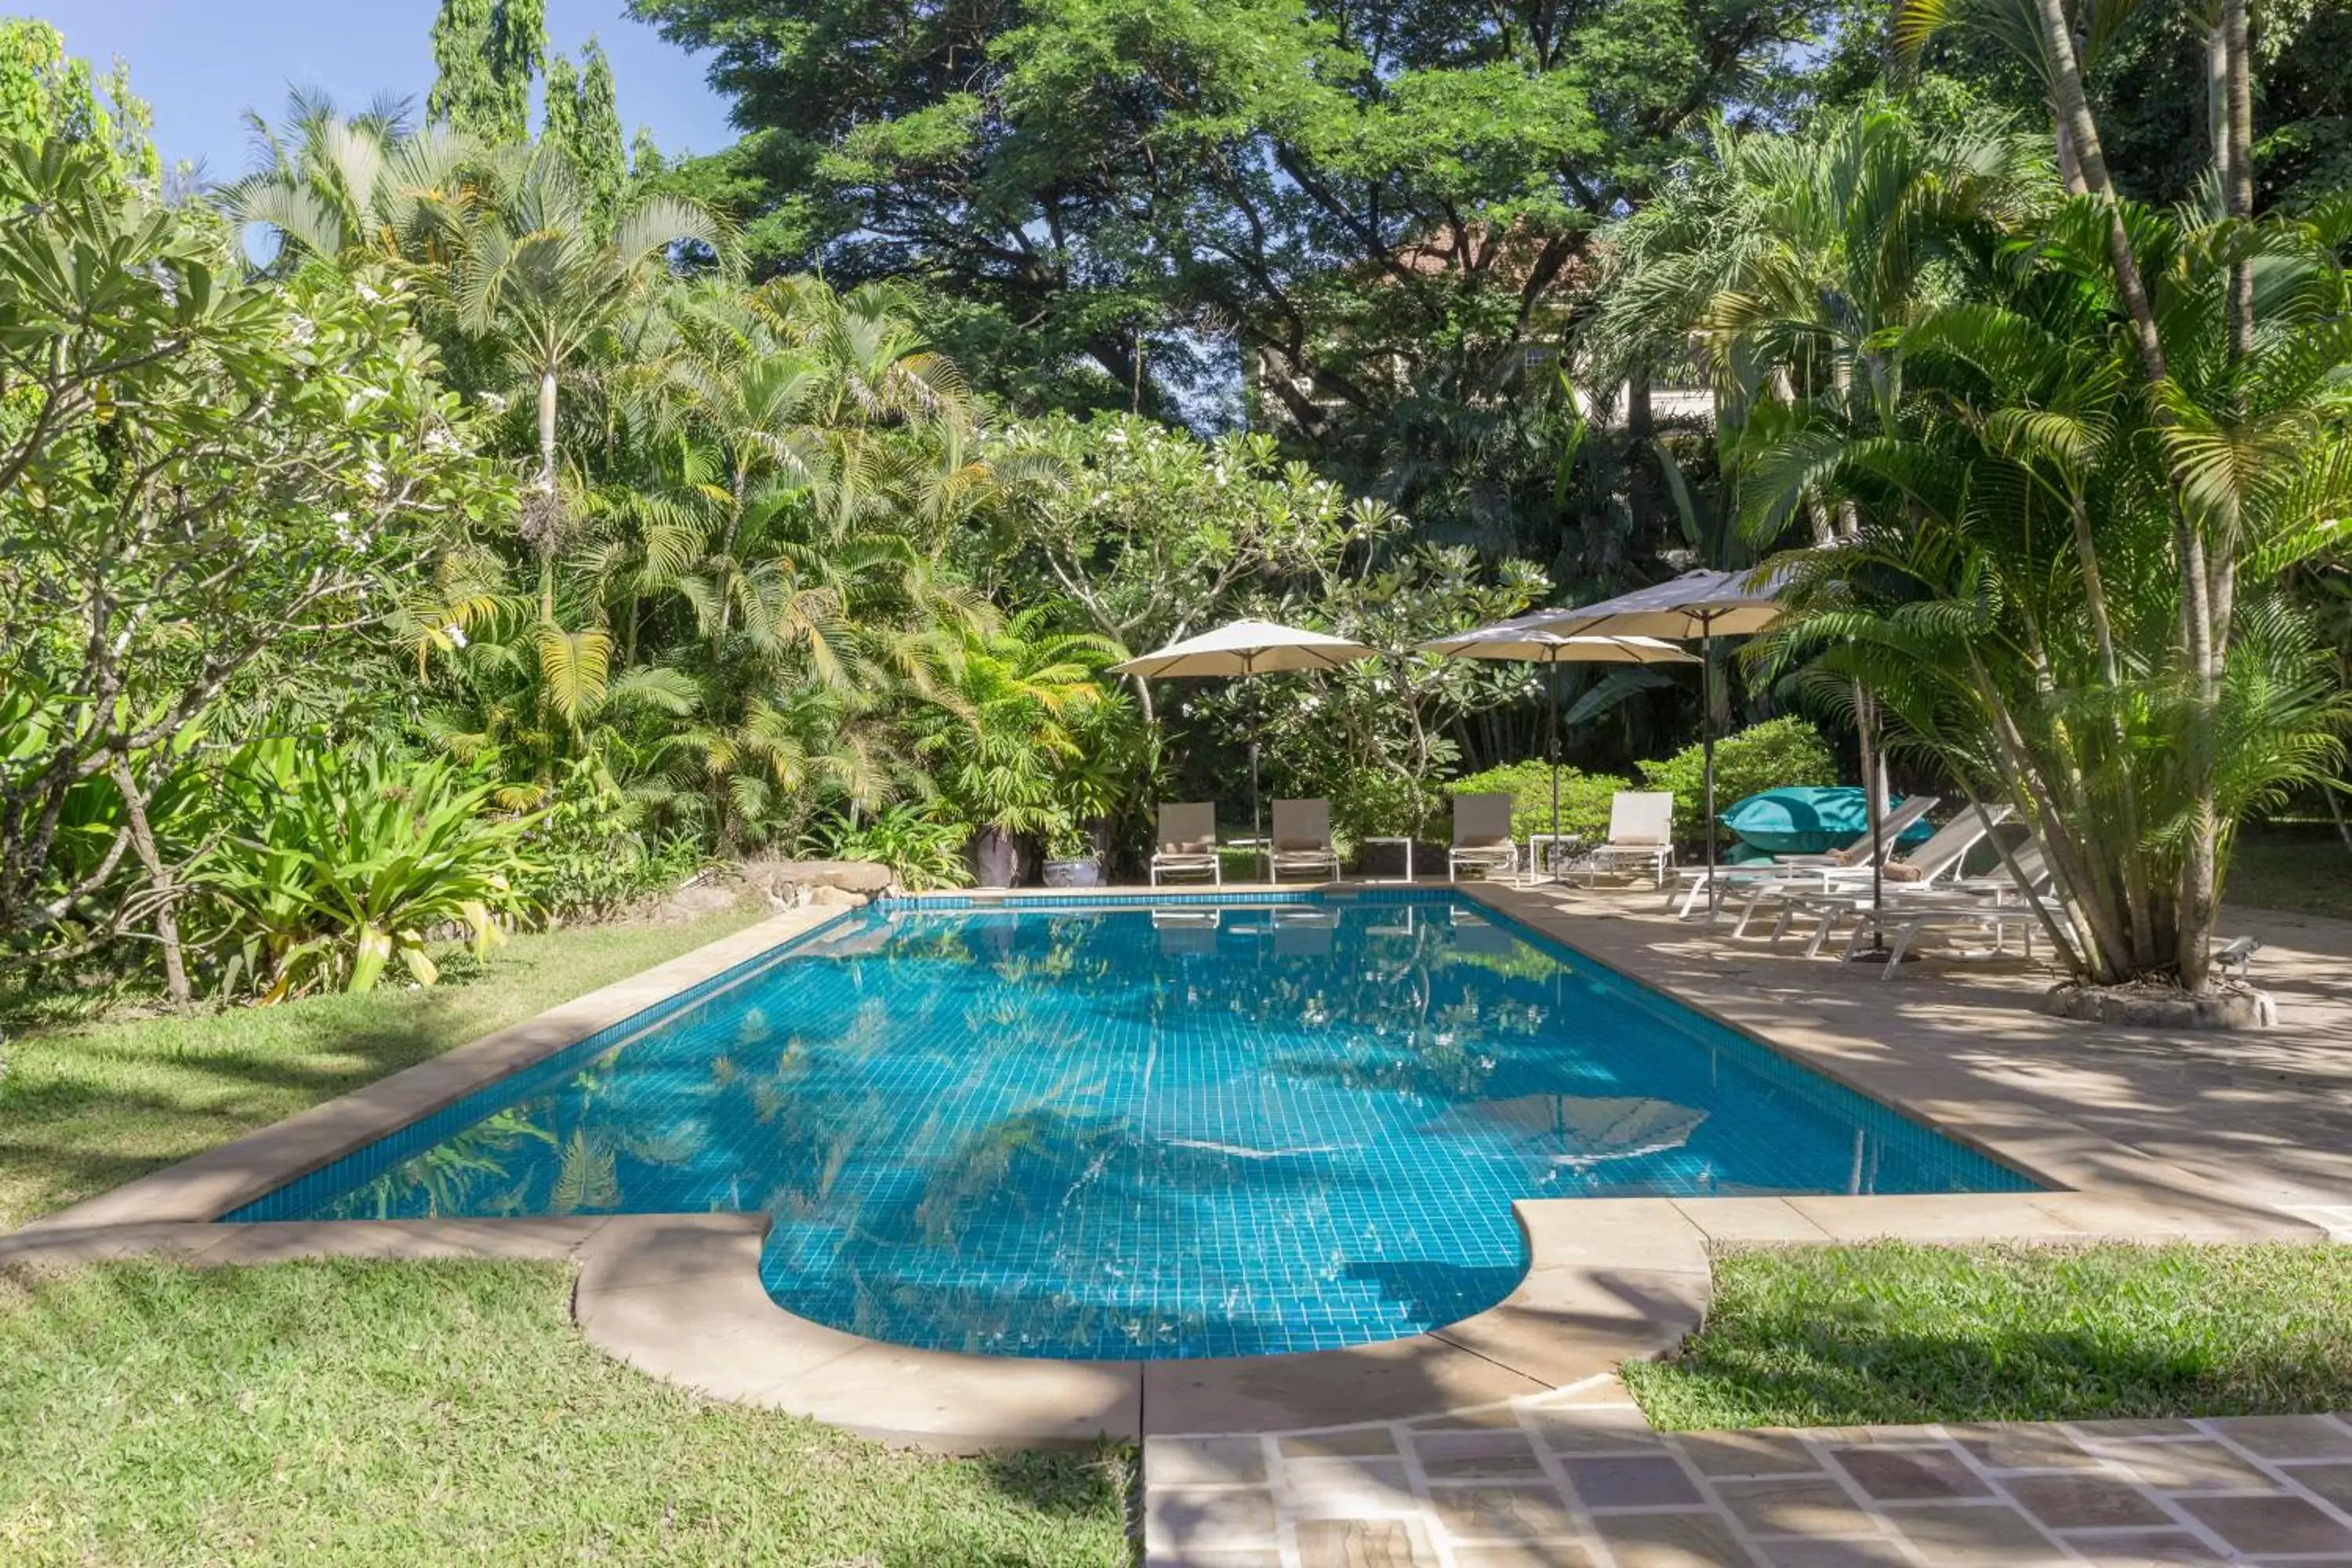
{"x":1640,"y":834}
{"x":1989,"y":905}
{"x":1187,"y":842}
{"x":1936,"y":861}
{"x":1302,"y":839}
{"x":1855,"y":856}
{"x":1482,"y":835}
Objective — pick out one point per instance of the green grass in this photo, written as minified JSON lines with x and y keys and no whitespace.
{"x":1892,"y":1332}
{"x":340,"y":1412}
{"x":87,"y":1107}
{"x":2299,"y":868}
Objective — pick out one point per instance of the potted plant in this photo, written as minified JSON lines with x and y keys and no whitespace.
{"x":1071,"y":859}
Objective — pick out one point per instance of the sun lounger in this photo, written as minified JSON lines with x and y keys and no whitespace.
{"x":1187,"y":842}
{"x":1302,"y":839}
{"x":1640,"y":834}
{"x":1989,"y":905}
{"x":1936,"y":860}
{"x":1757,"y":875}
{"x":1482,"y":835}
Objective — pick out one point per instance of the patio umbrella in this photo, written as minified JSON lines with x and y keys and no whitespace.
{"x":1524,"y":638}
{"x":1697,"y":607}
{"x":1246,"y":648}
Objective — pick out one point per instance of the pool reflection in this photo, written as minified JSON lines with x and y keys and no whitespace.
{"x":1194,"y":1131}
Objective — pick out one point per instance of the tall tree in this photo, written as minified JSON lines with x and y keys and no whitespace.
{"x":583,"y":119}
{"x":45,"y":92}
{"x":1373,"y":215}
{"x":484,"y":53}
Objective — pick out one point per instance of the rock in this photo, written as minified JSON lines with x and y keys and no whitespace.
{"x":826,"y":895}
{"x":2162,"y":1008}
{"x":779,"y":878}
{"x":697,"y":899}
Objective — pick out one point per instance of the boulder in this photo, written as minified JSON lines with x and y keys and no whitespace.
{"x":698,"y":898}
{"x":825,"y":895}
{"x":778,"y":878}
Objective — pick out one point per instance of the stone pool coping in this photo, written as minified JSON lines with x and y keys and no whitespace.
{"x":1609,"y":1280}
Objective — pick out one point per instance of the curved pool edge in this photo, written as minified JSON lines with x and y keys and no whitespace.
{"x":681,"y":1298}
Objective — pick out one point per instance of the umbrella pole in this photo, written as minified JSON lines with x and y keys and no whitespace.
{"x":1874,"y":801}
{"x":1707,"y":750}
{"x":1551,"y":744}
{"x":1256,"y":832}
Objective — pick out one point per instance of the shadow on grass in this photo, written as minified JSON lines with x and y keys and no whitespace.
{"x":1073,"y":1483}
{"x":85,"y":1110}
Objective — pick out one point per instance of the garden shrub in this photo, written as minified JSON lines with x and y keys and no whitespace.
{"x":1583,"y":797}
{"x":1763,"y":756}
{"x":922,"y":849}
{"x":332,"y":863}
{"x":588,"y":856}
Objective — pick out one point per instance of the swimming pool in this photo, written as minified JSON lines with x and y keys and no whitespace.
{"x":1203,"y":1126}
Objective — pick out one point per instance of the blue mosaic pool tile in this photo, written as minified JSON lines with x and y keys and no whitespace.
{"x":1199,"y":1124}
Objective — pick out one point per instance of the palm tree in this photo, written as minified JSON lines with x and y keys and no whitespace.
{"x":370,"y":188}
{"x":2012,"y":590}
{"x":2207,"y":559}
{"x":537,"y":277}
{"x":1783,"y":264}
{"x":1003,"y":736}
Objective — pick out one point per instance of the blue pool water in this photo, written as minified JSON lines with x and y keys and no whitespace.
{"x":1208,"y":1128}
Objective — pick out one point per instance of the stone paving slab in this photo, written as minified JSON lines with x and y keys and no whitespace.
{"x":1574,"y":1476}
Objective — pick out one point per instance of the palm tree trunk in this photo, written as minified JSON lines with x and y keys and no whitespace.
{"x":2238,"y":189}
{"x":2217,"y":98}
{"x":547,"y":428}
{"x":2214,"y":579}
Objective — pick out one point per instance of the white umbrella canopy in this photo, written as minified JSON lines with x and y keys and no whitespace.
{"x":1245,"y":647}
{"x":1531,"y":644}
{"x":1698,"y":605}
{"x":1524,"y":638}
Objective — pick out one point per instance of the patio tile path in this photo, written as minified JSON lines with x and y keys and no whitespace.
{"x":1575,"y":1479}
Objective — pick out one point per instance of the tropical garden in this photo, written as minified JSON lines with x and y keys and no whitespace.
{"x":471,"y":521}
{"x":451,"y":526}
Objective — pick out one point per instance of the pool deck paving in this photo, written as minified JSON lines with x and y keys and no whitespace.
{"x":1505,"y":1438}
{"x":1576,"y":1479}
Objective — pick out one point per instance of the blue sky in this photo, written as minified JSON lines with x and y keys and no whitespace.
{"x":201,"y":63}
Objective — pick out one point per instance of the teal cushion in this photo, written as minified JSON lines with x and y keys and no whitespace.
{"x":1808,"y":819}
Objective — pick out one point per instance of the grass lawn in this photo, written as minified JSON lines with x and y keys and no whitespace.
{"x":83,"y":1109}
{"x":2300,"y":869}
{"x":363,"y":1413}
{"x":1891,"y":1332}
